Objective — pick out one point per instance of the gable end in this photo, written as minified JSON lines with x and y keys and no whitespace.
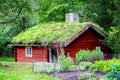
{"x":69,"y":41}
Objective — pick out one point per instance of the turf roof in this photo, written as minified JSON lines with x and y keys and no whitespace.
{"x":50,"y":32}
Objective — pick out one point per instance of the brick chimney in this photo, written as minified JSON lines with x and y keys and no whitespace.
{"x":72,"y":17}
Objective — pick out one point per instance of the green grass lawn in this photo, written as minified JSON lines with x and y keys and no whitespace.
{"x":20,"y":71}
{"x":6,"y":59}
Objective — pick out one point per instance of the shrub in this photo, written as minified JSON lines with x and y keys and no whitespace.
{"x":104,"y":66}
{"x":87,"y":55}
{"x":66,"y":63}
{"x":114,"y":73}
{"x":81,"y":55}
{"x":84,"y":65}
{"x":96,"y":55}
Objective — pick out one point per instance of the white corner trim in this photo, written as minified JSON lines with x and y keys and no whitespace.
{"x":98,"y":48}
{"x":50,"y":58}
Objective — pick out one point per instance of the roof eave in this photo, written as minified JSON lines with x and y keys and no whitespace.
{"x":41,"y":45}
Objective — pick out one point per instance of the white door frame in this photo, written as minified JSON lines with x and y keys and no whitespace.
{"x":50,"y":54}
{"x":50,"y":58}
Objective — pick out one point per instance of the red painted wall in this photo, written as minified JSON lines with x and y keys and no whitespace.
{"x":88,"y":40}
{"x":39,"y":54}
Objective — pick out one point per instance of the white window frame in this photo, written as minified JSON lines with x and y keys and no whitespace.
{"x":28,"y":54}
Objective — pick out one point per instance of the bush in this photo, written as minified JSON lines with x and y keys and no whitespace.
{"x":114,"y":73}
{"x":66,"y":63}
{"x":81,"y":55}
{"x":84,"y":65}
{"x":96,"y":55}
{"x":104,"y":66}
{"x":87,"y":55}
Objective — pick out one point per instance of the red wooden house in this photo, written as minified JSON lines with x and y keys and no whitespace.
{"x":45,"y":42}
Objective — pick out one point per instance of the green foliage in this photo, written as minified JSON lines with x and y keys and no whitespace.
{"x":56,"y":13}
{"x":96,"y":55}
{"x":87,"y":55}
{"x":84,"y":65}
{"x":46,"y":67}
{"x":50,"y":32}
{"x":55,"y":10}
{"x":104,"y":66}
{"x":82,"y":55}
{"x":6,"y":59}
{"x":5,"y":39}
{"x":86,"y":76}
{"x":66,"y":63}
{"x":103,"y":12}
{"x":113,"y":40}
{"x":36,"y":11}
{"x":114,"y":73}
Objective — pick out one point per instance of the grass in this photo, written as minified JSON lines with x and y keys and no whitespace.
{"x":20,"y":71}
{"x":45,"y":67}
{"x":6,"y":59}
{"x":51,"y":32}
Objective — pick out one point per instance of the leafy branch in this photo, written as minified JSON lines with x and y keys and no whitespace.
{"x":12,"y":20}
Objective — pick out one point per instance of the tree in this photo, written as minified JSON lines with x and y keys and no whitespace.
{"x":19,"y":15}
{"x":113,"y":40}
{"x":9,"y":9}
{"x":5,"y":39}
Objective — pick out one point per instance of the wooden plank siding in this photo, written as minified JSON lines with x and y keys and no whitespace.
{"x":39,"y":54}
{"x":88,"y":40}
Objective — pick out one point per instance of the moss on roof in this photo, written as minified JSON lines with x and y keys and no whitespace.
{"x":49,"y":32}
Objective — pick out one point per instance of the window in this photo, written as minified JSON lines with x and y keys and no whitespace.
{"x":28,"y":51}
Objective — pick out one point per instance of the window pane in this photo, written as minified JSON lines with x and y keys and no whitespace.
{"x":28,"y":51}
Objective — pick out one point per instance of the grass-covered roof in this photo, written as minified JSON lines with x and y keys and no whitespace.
{"x":50,"y":32}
